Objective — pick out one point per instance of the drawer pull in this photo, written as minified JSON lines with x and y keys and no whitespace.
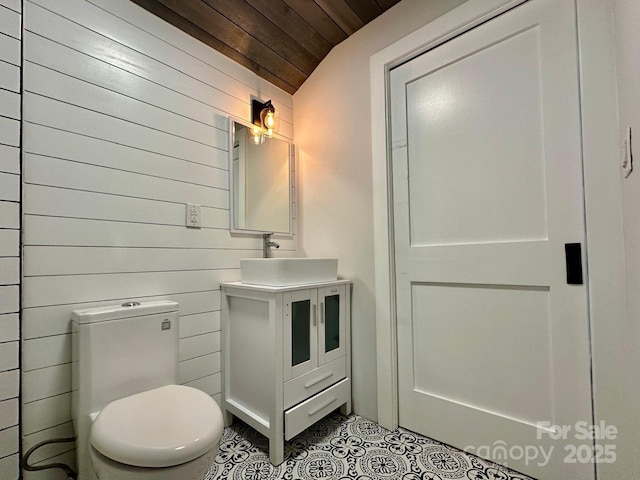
{"x":320,"y":407}
{"x":318,"y":380}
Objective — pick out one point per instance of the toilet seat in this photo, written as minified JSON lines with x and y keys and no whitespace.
{"x":162,"y":427}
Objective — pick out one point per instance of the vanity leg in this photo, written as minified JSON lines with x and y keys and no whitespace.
{"x":227,"y":418}
{"x":346,"y":409}
{"x":276,"y":436}
{"x":276,"y":451}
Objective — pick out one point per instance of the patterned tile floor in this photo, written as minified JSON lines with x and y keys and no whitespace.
{"x":349,"y":448}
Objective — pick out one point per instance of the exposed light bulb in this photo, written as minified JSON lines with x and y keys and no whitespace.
{"x":257,"y":136}
{"x":269,"y":121}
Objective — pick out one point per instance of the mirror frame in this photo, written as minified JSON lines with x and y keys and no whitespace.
{"x":232,"y":207}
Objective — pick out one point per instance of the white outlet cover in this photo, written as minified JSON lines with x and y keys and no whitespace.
{"x":193,"y":216}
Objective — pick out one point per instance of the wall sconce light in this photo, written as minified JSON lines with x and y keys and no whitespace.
{"x":264,"y":119}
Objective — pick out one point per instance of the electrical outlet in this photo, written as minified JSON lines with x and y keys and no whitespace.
{"x":627,"y":155}
{"x":194,"y":217}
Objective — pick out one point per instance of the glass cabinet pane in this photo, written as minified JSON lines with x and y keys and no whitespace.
{"x":331,"y":322}
{"x":300,"y":332}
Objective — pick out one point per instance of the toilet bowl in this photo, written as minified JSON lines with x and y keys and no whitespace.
{"x":170,"y":432}
{"x":132,"y":421}
{"x":107,"y":469}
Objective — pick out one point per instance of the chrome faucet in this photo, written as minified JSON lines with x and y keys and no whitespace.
{"x":267,"y":243}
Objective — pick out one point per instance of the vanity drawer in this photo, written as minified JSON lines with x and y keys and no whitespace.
{"x":310,"y":383}
{"x":309,"y":412}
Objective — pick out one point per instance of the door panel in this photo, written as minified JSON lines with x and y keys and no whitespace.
{"x":446,"y":115}
{"x":487,"y":336}
{"x":487,"y":189}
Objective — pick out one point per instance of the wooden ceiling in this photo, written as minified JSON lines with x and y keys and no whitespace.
{"x":282,"y":41}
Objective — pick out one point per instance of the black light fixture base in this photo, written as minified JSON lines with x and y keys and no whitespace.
{"x":256,"y":107}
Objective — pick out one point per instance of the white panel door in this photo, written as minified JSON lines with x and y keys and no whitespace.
{"x":487,"y":190}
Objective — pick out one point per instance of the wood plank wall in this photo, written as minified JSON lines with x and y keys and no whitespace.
{"x":10,"y":78}
{"x":125,"y":121}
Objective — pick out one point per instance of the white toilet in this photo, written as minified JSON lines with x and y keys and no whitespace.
{"x":132,"y":421}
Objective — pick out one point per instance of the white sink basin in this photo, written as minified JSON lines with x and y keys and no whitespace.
{"x":283,"y":272}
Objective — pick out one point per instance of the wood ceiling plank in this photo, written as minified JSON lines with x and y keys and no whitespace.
{"x":367,"y":10}
{"x":255,"y":24}
{"x":178,"y":21}
{"x":281,"y":41}
{"x":292,"y":24}
{"x":217,"y":25}
{"x":342,"y":14}
{"x":319,"y":20}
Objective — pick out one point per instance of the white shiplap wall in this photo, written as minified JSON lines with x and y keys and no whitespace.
{"x":10,"y":56}
{"x":125,"y":121}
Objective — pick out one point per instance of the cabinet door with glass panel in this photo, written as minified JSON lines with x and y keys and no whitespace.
{"x":314,"y":329}
{"x":300,"y":332}
{"x":331,"y":328}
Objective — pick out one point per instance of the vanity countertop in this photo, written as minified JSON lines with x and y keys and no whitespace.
{"x":268,"y":288}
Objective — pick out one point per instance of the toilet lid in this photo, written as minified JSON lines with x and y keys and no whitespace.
{"x":162,"y":427}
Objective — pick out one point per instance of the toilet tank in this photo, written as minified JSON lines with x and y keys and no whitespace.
{"x":122,"y":350}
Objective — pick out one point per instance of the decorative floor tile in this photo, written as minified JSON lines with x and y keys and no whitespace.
{"x":349,"y":448}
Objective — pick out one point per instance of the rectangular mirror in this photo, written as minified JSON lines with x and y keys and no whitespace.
{"x":260,"y":181}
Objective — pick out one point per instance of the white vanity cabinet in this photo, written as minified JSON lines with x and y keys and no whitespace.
{"x":287,"y":357}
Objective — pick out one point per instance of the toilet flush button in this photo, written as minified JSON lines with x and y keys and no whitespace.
{"x":130,"y":304}
{"x":166,"y":325}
